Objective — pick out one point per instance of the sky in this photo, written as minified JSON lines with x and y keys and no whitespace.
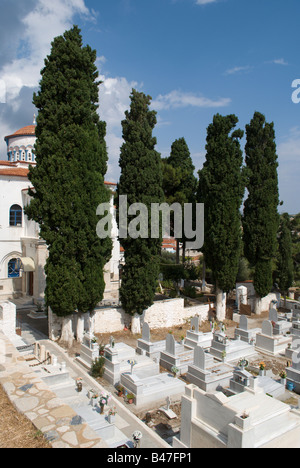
{"x":195,"y":58}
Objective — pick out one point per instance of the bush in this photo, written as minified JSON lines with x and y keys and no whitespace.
{"x":97,"y":369}
{"x":190,"y":291}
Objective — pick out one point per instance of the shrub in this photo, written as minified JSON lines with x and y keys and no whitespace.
{"x":97,"y":369}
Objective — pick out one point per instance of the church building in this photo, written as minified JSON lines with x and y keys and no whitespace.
{"x":23,"y":253}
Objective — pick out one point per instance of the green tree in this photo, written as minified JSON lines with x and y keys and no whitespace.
{"x":261,"y":219}
{"x":185,"y":191}
{"x":295,"y":231}
{"x":285,"y":265}
{"x":68,"y":179}
{"x":141,"y":182}
{"x":221,"y":189}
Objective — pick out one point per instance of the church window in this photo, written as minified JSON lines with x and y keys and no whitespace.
{"x":14,"y":266}
{"x":15,"y":216}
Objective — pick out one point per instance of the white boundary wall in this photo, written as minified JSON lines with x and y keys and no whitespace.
{"x":162,"y":314}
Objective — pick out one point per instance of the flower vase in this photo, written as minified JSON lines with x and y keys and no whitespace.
{"x":111,"y":418}
{"x":101,"y":409}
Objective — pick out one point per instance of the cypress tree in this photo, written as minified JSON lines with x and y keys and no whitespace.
{"x":141,"y":182}
{"x":261,"y":219}
{"x":285,"y":266}
{"x":180,"y":159}
{"x":221,"y":189}
{"x":68,"y":179}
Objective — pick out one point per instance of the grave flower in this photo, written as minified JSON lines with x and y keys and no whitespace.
{"x":174,"y":371}
{"x":104,"y":399}
{"x":112,"y":411}
{"x":130,"y":398}
{"x":79,"y":384}
{"x":262,"y":366}
{"x":137,"y":437}
{"x":243,"y":363}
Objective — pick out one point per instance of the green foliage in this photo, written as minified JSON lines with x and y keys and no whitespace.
{"x":68,"y":178}
{"x":98,"y":367}
{"x":263,"y":280}
{"x":180,"y":159}
{"x":295,"y":231}
{"x":190,"y":291}
{"x":172,"y":272}
{"x":244,"y":272}
{"x":221,"y":189}
{"x":261,"y":219}
{"x":285,"y":265}
{"x":179,"y":182}
{"x":141,"y":181}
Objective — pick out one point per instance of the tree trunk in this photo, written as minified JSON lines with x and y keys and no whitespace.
{"x":136,"y":324}
{"x":203,"y":277}
{"x":258,"y":305}
{"x":221,"y":305}
{"x":67,"y":335}
{"x":80,"y":328}
{"x":183,"y":252}
{"x":177,"y":252}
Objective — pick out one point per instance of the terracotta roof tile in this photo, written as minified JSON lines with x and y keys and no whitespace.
{"x":14,"y":171}
{"x":29,"y":130}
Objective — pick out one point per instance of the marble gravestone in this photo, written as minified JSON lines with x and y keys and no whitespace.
{"x":206,"y":373}
{"x":146,"y":347}
{"x":244,"y":333}
{"x":272,"y":344}
{"x":194,"y":337}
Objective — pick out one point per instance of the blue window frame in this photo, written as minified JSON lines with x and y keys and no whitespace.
{"x":15,"y":216}
{"x":14,"y":266}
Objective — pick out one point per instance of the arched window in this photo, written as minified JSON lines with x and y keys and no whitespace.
{"x":15,"y":216}
{"x":14,"y":266}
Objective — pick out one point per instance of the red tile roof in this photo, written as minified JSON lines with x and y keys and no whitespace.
{"x":29,"y":130}
{"x":7,"y":163}
{"x":14,"y":171}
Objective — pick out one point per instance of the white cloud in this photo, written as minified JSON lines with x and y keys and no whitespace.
{"x":280,"y":62}
{"x":235,"y":70}
{"x":44,"y":22}
{"x":20,"y":71}
{"x":288,"y":151}
{"x":176,"y":99}
{"x":114,"y":100}
{"x":205,"y":2}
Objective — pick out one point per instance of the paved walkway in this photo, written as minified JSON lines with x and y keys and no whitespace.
{"x":60,"y":412}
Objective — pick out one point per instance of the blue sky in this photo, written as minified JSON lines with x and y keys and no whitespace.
{"x":194,"y":58}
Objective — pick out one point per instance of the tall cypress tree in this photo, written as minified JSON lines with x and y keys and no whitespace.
{"x":68,"y":179}
{"x":180,"y":159}
{"x":261,"y":219}
{"x":141,"y":182}
{"x":285,"y":266}
{"x":221,"y":189}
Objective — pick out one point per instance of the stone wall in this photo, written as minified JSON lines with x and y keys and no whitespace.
{"x":162,"y":314}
